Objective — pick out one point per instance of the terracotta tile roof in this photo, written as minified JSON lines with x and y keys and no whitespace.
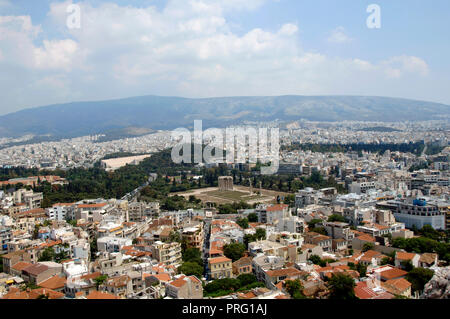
{"x":13,"y":254}
{"x":15,"y":293}
{"x":404,"y":256}
{"x":284,"y":272}
{"x":396,"y":286}
{"x":36,"y":212}
{"x":279,"y":285}
{"x":308,"y":246}
{"x":180,"y":282}
{"x":283,"y":296}
{"x":362,"y":291}
{"x":21,"y":265}
{"x":35,"y":269}
{"x":165,"y":277}
{"x":50,"y":243}
{"x":248,"y":295}
{"x":218,"y":260}
{"x":244,"y":261}
{"x":392,"y":273}
{"x":101,"y":295}
{"x":428,"y":258}
{"x":91,"y":276}
{"x":368,"y":255}
{"x":277,"y":207}
{"x":119,"y":281}
{"x":380,"y":227}
{"x":92,"y":205}
{"x":366,"y":237}
{"x":54,"y":282}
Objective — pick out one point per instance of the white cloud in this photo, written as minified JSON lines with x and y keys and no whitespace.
{"x":186,"y":49}
{"x":398,"y":66}
{"x":339,"y":36}
{"x":56,"y":54}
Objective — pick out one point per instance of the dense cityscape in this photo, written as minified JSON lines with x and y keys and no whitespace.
{"x":363,"y":206}
{"x":224,"y":158}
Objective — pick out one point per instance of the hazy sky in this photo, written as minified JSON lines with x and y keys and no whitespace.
{"x":204,"y":48}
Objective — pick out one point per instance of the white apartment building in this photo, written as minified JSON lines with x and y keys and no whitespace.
{"x":419,"y":214}
{"x":112,"y":244}
{"x":61,"y":211}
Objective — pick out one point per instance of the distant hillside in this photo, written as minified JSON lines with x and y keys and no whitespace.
{"x":155,"y":112}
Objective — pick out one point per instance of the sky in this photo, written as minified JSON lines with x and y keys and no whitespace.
{"x":210,"y":48}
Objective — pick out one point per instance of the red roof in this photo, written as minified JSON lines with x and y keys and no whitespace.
{"x":362,"y":291}
{"x":54,"y":282}
{"x":101,"y":295}
{"x":218,"y":260}
{"x":393,"y":273}
{"x":92,"y":205}
{"x":15,"y":293}
{"x":276,"y":208}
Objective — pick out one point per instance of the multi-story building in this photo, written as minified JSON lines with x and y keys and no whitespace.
{"x":337,"y":230}
{"x":418,"y":213}
{"x":185,"y":287}
{"x":167,"y":253}
{"x":139,"y":211}
{"x":5,"y":237}
{"x":112,"y":244}
{"x":268,"y":214}
{"x":91,"y":211}
{"x":194,"y":235}
{"x":325,"y":242}
{"x":242,"y":266}
{"x":361,"y":187}
{"x":292,"y":224}
{"x":61,"y":211}
{"x":220,"y":267}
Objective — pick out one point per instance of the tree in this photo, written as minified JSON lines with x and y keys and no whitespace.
{"x":252,"y":218}
{"x":312,"y":223}
{"x":100,"y":280}
{"x":386,"y":261}
{"x":315,"y":259}
{"x":62,"y":255}
{"x":190,"y":268}
{"x":295,"y":289}
{"x":341,"y":286}
{"x":362,"y":269}
{"x":234,"y":251}
{"x":246,"y":279}
{"x":336,"y":218}
{"x":367,"y":246}
{"x":225,"y":284}
{"x":243,"y":222}
{"x":418,"y":277}
{"x":260,"y":233}
{"x":320,"y":230}
{"x":407,"y":265}
{"x":175,"y":237}
{"x":193,"y":255}
{"x":47,"y":255}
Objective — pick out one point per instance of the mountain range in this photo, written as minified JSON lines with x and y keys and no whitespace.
{"x":161,"y":113}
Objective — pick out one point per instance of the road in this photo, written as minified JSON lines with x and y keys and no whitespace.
{"x":133,"y":194}
{"x":206,"y":247}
